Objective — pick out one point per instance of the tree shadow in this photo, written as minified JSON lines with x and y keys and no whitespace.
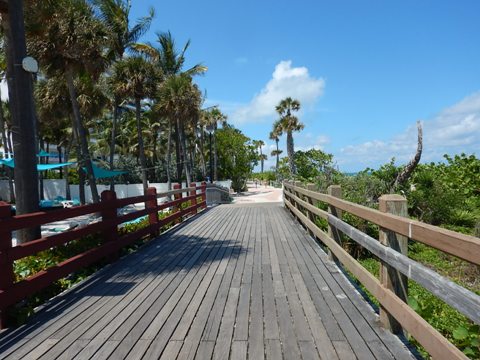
{"x":172,"y":252}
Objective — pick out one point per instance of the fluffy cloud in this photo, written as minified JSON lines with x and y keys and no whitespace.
{"x":454,"y":130}
{"x":309,"y":142}
{"x":286,"y":80}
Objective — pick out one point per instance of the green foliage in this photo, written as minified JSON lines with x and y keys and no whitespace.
{"x":236,"y":156}
{"x":265,"y":176}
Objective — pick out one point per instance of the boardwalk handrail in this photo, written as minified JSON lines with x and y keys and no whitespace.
{"x":12,"y":292}
{"x":460,"y":298}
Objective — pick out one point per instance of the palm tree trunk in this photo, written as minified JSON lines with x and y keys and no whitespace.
{"x":40,"y":175}
{"x":82,"y":135}
{"x":215,"y":156}
{"x":178,"y":153}
{"x":60,"y":157}
{"x":261,"y":159}
{"x":23,"y":118}
{"x":183,"y":144}
{"x":278,"y":156}
{"x":291,"y":152}
{"x":202,"y":154}
{"x":6,"y":147}
{"x":112,"y":141}
{"x":141,"y":149}
{"x":169,"y":156}
{"x":81,"y":173}
{"x":67,"y":154}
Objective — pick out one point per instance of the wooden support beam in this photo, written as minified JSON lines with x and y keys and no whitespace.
{"x":6,"y":265}
{"x":391,"y":278}
{"x":152,"y":205}
{"x":335,"y":191}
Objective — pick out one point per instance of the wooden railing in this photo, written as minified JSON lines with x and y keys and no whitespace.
{"x":391,"y":249}
{"x":12,"y":292}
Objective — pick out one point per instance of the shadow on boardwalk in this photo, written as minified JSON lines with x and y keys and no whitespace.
{"x":236,"y":282}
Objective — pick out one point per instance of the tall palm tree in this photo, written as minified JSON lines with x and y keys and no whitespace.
{"x":179,"y":98}
{"x":216,"y":116}
{"x":171,"y":61}
{"x":258,"y":144}
{"x":23,"y":116}
{"x":137,"y":79}
{"x":115,"y":15}
{"x":288,"y":124}
{"x":71,"y":43}
{"x":275,"y":135}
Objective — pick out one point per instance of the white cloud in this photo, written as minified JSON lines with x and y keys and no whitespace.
{"x":308,"y":142}
{"x":286,"y":80}
{"x":454,"y":130}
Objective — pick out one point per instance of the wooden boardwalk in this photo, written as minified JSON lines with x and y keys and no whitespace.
{"x":236,"y":282}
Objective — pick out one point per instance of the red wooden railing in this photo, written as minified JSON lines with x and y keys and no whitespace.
{"x":12,"y":292}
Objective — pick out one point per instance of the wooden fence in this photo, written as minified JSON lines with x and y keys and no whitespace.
{"x":12,"y":292}
{"x":391,"y":249}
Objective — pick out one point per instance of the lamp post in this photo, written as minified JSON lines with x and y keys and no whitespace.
{"x":210,"y":129}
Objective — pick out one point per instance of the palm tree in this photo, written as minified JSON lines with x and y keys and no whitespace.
{"x":179,"y":99}
{"x":115,"y":15}
{"x":289,"y":123}
{"x":23,"y":117}
{"x":216,"y":116}
{"x":171,"y":61}
{"x":137,"y":78}
{"x":258,"y":144}
{"x":72,"y":45}
{"x":275,"y":135}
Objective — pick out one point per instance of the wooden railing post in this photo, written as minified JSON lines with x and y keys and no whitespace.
{"x":204,"y":194}
{"x":152,"y":204}
{"x":311,"y":217}
{"x":335,"y":191}
{"x":6,"y":266}
{"x":194,"y":200}
{"x":389,"y":277}
{"x":109,"y":213}
{"x":177,"y":196}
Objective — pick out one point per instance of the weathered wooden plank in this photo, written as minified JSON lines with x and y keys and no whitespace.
{"x":236,"y":268}
{"x":343,"y":321}
{"x":101,"y":326}
{"x":344,"y":350}
{"x":213,"y":303}
{"x":464,"y":246}
{"x":226,"y":331}
{"x":464,"y":300}
{"x":431,"y":339}
{"x":172,"y":349}
{"x":346,"y":314}
{"x":308,"y":350}
{"x":256,"y":336}
{"x":243,"y":310}
{"x":205,"y":350}
{"x":71,"y":317}
{"x":273,"y":349}
{"x":163,"y":325}
{"x":363,"y":316}
{"x":239,"y":351}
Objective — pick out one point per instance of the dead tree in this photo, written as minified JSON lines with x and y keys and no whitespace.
{"x":407,"y":171}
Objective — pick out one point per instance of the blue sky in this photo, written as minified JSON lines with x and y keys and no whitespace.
{"x":364,"y":71}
